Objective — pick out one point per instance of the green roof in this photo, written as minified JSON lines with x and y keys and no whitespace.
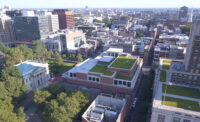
{"x":182,"y":91}
{"x":130,"y":77}
{"x":181,"y":103}
{"x":123,"y":62}
{"x":163,"y":75}
{"x":101,"y":69}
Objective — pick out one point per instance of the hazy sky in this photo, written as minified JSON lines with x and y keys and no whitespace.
{"x":100,"y":3}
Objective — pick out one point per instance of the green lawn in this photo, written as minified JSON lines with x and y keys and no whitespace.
{"x":166,"y":66}
{"x":101,"y":69}
{"x":131,"y":77}
{"x":58,"y":70}
{"x":180,"y":103}
{"x":167,"y":61}
{"x":123,"y":62}
{"x":182,"y":91}
{"x":163,"y":76}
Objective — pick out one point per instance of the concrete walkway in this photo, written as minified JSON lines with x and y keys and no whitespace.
{"x":182,"y":97}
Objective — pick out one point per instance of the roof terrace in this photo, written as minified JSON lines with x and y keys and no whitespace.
{"x":123,"y":62}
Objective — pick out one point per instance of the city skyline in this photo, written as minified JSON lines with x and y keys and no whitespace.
{"x":101,"y":4}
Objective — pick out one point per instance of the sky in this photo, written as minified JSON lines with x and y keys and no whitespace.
{"x":100,"y":3}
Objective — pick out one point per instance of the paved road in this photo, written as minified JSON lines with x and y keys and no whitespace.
{"x":135,"y":114}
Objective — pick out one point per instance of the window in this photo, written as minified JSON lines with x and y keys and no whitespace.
{"x":186,"y":120}
{"x":90,"y":78}
{"x":93,"y":79}
{"x":70,"y":74}
{"x":176,"y":119}
{"x":115,"y":82}
{"x":161,"y":118}
{"x":74,"y":74}
{"x":124,"y":83}
{"x":97,"y":79}
{"x":120,"y":82}
{"x":128,"y":84}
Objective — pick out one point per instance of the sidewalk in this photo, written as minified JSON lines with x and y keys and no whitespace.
{"x":182,"y":97}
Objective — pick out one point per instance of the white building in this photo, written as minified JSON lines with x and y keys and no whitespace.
{"x":35,"y":74}
{"x":106,"y":108}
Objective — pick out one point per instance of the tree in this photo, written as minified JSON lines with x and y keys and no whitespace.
{"x":107,"y":22}
{"x":7,"y":114}
{"x":79,"y":58}
{"x":71,"y":56}
{"x":63,"y":105}
{"x":186,"y":29}
{"x":2,"y":47}
{"x":39,"y":49}
{"x":41,"y":96}
{"x":97,"y":21}
{"x":58,"y":59}
{"x":12,"y":85}
{"x":64,"y":56}
{"x":89,"y":33}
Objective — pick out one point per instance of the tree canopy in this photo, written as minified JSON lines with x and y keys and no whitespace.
{"x":60,"y":105}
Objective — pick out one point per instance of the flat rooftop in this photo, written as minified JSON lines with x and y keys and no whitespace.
{"x":119,"y":50}
{"x":123,"y":62}
{"x":178,"y":66}
{"x":105,"y":108}
{"x":101,"y":69}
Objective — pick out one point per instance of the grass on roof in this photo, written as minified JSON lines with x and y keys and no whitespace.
{"x":131,"y":77}
{"x":180,"y":103}
{"x":123,"y":62}
{"x":166,"y":66}
{"x":182,"y":91}
{"x":163,"y":76}
{"x":101,"y":69}
{"x":167,"y":61}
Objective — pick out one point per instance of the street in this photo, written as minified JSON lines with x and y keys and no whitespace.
{"x":136,"y":114}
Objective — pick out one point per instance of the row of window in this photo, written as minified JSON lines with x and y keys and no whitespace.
{"x":72,"y":74}
{"x":123,"y":83}
{"x":90,"y":78}
{"x":161,"y":118}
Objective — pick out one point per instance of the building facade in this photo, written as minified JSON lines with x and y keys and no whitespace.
{"x":31,"y":28}
{"x":7,"y":35}
{"x":188,"y":72}
{"x":66,"y":18}
{"x":34,"y":74}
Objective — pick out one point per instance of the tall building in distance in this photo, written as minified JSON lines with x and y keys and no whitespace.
{"x":183,"y":13}
{"x":192,"y":58}
{"x":7,"y":35}
{"x":30,"y":28}
{"x":66,"y":18}
{"x":53,"y":22}
{"x":188,"y":72}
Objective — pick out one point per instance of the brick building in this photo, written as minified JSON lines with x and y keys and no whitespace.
{"x":66,"y":18}
{"x":108,"y":73}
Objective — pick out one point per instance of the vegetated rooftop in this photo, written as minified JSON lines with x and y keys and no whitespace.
{"x":163,"y":76}
{"x":167,"y":61}
{"x":182,"y":91}
{"x":166,"y":64}
{"x":123,"y":62}
{"x":101,"y":69}
{"x":131,"y":77}
{"x":180,"y":103}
